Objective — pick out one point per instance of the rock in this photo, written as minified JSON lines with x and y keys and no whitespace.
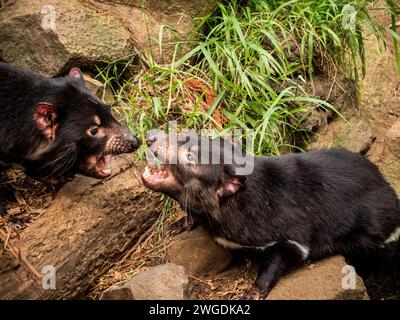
{"x":117,"y":293}
{"x":392,"y":140}
{"x":52,"y":37}
{"x":99,"y":89}
{"x":321,"y":281}
{"x":198,"y":253}
{"x":146,"y":19}
{"x":314,"y":120}
{"x":164,"y":282}
{"x":360,"y":138}
{"x":86,"y":227}
{"x":340,"y":93}
{"x":84,"y":33}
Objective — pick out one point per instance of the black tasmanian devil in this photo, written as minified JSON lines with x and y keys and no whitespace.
{"x":285,"y":209}
{"x":55,"y":128}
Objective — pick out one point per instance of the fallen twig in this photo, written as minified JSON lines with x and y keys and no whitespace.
{"x":15,"y":250}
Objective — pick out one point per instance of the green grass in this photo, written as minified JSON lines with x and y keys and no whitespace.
{"x":246,"y":70}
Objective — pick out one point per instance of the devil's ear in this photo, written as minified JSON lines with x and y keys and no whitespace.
{"x":230,"y":186}
{"x":229,"y":183}
{"x":45,"y":118}
{"x":77,"y":74}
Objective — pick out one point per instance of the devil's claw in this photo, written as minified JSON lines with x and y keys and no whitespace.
{"x":252,"y":294}
{"x":180,"y":226}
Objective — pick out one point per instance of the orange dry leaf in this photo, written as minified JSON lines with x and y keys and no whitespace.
{"x":196,"y":85}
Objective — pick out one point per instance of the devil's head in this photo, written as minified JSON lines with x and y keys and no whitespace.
{"x":197,"y":172}
{"x":75,"y":132}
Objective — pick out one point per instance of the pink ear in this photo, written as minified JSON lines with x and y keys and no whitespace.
{"x":75,"y":73}
{"x":45,"y":119}
{"x":230,"y":186}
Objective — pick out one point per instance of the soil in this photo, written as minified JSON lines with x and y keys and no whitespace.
{"x":25,"y":199}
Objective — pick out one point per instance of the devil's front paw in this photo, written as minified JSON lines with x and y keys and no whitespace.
{"x":252,"y":294}
{"x":179,"y":226}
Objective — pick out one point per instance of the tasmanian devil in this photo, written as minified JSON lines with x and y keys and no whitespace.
{"x":54,"y":127}
{"x":286,"y":210}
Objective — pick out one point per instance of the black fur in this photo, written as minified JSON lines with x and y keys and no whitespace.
{"x":46,"y":125}
{"x":329,"y":201}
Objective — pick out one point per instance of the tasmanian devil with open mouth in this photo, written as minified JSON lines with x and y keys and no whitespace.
{"x":286,"y":210}
{"x":54,"y":127}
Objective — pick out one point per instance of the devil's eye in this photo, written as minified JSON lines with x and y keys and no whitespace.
{"x":189,"y":157}
{"x":93,"y":131}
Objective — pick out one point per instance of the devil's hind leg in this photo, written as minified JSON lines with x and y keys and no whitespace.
{"x":274,"y":264}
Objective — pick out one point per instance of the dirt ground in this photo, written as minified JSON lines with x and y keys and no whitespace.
{"x":25,"y":199}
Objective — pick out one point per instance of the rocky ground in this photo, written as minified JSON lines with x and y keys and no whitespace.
{"x":85,"y":33}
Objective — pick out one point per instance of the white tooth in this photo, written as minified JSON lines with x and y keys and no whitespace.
{"x":107,"y":171}
{"x":146,"y":171}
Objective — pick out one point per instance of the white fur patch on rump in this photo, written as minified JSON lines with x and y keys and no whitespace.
{"x":394,"y":236}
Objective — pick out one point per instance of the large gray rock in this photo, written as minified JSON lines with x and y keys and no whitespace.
{"x":198,"y":253}
{"x":77,"y":36}
{"x":146,"y":20}
{"x":84,"y":33}
{"x":329,"y":279}
{"x":163,"y":282}
{"x":360,"y":138}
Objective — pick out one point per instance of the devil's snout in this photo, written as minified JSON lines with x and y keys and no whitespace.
{"x":132,"y":141}
{"x":122,"y":143}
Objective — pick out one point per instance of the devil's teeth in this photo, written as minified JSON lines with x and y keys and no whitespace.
{"x":146,"y":171}
{"x":107,"y":171}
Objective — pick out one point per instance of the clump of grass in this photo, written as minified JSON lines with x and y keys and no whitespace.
{"x":326,"y":34}
{"x":251,"y":59}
